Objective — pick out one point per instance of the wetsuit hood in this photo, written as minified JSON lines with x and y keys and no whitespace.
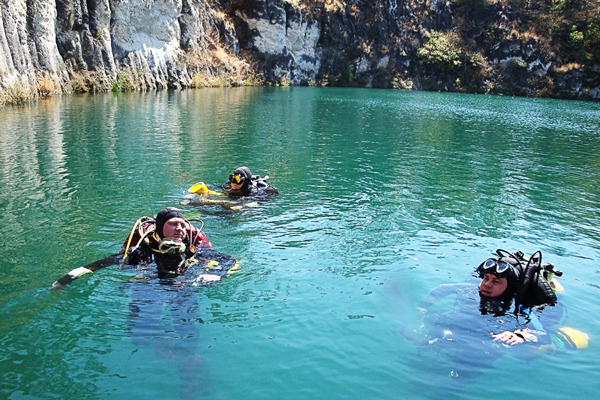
{"x":246,"y":175}
{"x":163,"y":216}
{"x":499,"y":305}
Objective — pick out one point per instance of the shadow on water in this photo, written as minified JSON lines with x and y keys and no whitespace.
{"x":165,"y":318}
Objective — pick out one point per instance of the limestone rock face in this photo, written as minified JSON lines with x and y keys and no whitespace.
{"x":145,"y":37}
{"x":284,"y":37}
{"x":453,"y":45}
{"x":150,"y":41}
{"x":28,"y":42}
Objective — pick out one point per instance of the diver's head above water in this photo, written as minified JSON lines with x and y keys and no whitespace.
{"x":492,"y":286}
{"x":499,"y":281}
{"x":241,"y":181}
{"x":170,"y":224}
{"x":170,"y":254}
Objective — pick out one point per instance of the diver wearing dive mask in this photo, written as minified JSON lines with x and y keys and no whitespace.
{"x":499,"y":281}
{"x":241,"y":182}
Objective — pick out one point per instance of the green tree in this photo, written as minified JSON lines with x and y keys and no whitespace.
{"x":442,"y":50}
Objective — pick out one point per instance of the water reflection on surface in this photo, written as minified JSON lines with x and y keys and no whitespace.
{"x":383,"y":195}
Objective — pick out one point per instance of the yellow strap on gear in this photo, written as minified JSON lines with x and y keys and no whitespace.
{"x":191,"y":261}
{"x":234,"y":269}
{"x":135,"y":226}
{"x":139,"y":226}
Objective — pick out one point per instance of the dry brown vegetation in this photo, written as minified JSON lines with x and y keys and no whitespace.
{"x":217,"y":68}
{"x":18,"y":93}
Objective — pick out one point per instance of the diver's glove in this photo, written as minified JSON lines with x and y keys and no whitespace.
{"x":141,"y":254}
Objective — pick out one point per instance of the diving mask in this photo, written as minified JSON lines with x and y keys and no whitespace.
{"x":491,"y":266}
{"x":170,"y":246}
{"x":237,"y":179}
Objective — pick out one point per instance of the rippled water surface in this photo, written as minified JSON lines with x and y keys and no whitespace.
{"x":383,"y":196}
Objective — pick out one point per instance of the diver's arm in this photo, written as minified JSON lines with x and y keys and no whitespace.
{"x":89,"y":268}
{"x":440,"y":293}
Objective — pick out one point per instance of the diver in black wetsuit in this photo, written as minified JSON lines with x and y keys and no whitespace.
{"x":179,"y":249}
{"x":169,"y":240}
{"x":243,"y":184}
{"x":242,"y":190}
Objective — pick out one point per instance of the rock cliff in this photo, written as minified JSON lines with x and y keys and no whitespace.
{"x":520,"y":47}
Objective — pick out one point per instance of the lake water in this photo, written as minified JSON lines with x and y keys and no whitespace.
{"x":383,"y":196}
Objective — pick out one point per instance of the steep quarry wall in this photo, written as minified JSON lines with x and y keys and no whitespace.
{"x":54,"y":46}
{"x":139,"y":44}
{"x":28,"y":42}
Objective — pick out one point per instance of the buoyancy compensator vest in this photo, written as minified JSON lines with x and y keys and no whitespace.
{"x":533,"y":288}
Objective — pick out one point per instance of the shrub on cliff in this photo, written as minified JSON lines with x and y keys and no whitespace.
{"x":441,"y":51}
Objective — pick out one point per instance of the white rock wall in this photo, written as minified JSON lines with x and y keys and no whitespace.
{"x":146,"y":24}
{"x":28,"y":43}
{"x":16,"y":64}
{"x":297,"y":39}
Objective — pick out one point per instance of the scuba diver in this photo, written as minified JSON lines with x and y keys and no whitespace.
{"x":482,"y":314}
{"x":174,"y":244}
{"x":243,"y":184}
{"x":528,"y":282}
{"x":243,"y":189}
{"x":164,"y":312}
{"x":508,"y":278}
{"x":479,"y":327}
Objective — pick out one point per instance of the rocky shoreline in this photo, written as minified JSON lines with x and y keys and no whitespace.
{"x":523,"y":48}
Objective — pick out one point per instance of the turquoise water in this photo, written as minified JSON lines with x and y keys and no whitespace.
{"x":383,"y":196}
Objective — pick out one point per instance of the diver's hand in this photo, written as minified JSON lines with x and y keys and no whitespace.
{"x":138,"y":255}
{"x":205,"y":278}
{"x":509,"y":337}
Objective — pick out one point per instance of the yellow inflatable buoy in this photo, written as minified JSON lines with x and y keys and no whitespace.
{"x":201,"y":189}
{"x":555,"y":284}
{"x":575,"y":338}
